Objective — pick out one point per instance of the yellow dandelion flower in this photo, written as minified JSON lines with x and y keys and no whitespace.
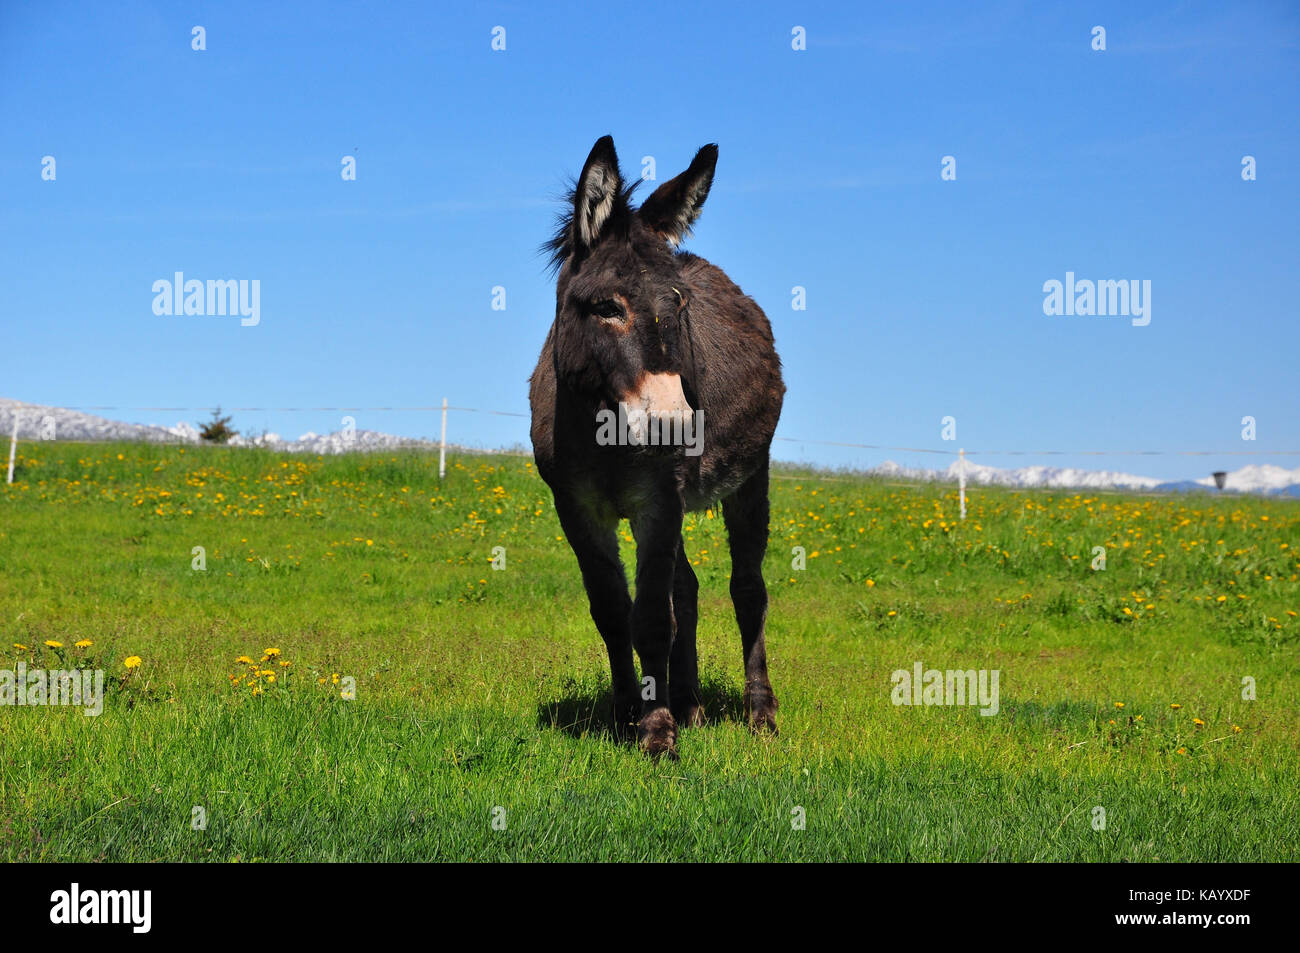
{"x":1175,"y":706}
{"x":1182,"y":751}
{"x":272,"y":652}
{"x":1198,"y":723}
{"x":53,"y":644}
{"x":132,"y":661}
{"x":1236,"y":729}
{"x":1119,"y":704}
{"x":244,"y":660}
{"x":84,"y":644}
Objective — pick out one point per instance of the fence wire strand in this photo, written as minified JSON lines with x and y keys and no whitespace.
{"x":438,"y":408}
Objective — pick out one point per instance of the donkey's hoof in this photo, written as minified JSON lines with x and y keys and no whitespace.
{"x":761,"y":722}
{"x":658,"y":734}
{"x":689,"y":715}
{"x":761,"y":707}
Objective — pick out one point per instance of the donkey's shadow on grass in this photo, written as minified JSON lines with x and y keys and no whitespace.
{"x":586,"y":708}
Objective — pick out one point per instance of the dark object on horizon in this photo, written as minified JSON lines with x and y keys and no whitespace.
{"x":643,"y":329}
{"x":1220,"y":478}
{"x":217,"y":430}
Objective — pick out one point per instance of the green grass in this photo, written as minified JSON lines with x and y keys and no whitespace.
{"x":479,"y":690}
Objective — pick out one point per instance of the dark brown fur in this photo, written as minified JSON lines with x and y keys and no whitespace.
{"x":628,"y":305}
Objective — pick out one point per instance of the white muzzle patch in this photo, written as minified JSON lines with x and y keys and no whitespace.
{"x":658,"y":415}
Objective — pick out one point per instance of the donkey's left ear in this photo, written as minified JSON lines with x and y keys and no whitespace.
{"x":672,"y":208}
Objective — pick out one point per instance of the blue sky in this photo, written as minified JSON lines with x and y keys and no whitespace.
{"x":924,"y":297}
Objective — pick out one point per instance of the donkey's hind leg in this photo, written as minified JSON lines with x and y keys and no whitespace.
{"x":595,"y":543}
{"x":683,"y":667}
{"x":746,"y":516}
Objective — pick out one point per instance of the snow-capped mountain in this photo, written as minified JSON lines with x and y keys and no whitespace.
{"x":38,"y":422}
{"x":1258,"y":478}
{"x":1255,"y":478}
{"x":1036,"y":476}
{"x":1050,"y":477}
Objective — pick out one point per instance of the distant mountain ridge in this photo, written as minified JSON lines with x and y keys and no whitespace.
{"x":41,"y":422}
{"x":78,"y":425}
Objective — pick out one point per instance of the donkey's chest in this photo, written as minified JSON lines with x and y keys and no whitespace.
{"x":628,"y":491}
{"x":624,"y":494}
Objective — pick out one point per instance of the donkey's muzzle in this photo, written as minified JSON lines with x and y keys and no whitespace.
{"x":659,"y":418}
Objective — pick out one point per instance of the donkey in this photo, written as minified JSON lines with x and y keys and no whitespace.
{"x":646,"y":333}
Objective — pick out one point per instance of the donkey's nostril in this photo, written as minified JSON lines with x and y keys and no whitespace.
{"x":659,"y":416}
{"x":659,"y":395}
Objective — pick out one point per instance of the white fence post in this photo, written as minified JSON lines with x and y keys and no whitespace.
{"x":442,"y":446}
{"x":961,"y":479}
{"x":13,"y":447}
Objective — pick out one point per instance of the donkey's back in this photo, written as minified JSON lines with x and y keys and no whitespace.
{"x":738,"y":381}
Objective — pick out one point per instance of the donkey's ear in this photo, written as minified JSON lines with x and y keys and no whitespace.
{"x":673,"y":207}
{"x":599,"y":188}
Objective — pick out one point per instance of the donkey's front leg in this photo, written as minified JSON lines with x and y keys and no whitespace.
{"x":657,"y":532}
{"x":595,"y":542}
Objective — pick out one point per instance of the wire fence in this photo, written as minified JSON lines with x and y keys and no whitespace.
{"x":444,"y":408}
{"x":431,"y":408}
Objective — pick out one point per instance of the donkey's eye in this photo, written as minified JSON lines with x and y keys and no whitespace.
{"x":606,"y":309}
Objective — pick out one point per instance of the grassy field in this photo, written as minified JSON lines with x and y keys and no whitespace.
{"x":481,"y":695}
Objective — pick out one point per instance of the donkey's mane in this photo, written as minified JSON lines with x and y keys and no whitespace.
{"x":559,"y":246}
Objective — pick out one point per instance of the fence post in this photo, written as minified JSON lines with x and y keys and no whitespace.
{"x":13,"y":447}
{"x":442,"y":446}
{"x":961,"y":479}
